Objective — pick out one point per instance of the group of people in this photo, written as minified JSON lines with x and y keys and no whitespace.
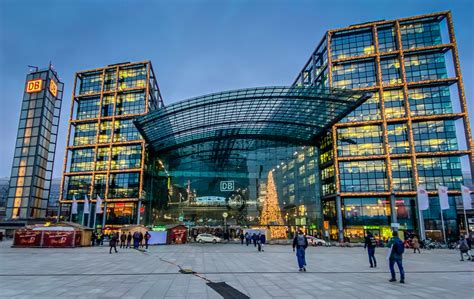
{"x":258,"y":240}
{"x":125,"y":240}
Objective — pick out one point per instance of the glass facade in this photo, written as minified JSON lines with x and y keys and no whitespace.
{"x":384,"y":148}
{"x":35,"y":147}
{"x":105,"y":154}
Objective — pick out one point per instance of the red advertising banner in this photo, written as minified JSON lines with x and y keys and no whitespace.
{"x":58,"y":239}
{"x":27,"y":238}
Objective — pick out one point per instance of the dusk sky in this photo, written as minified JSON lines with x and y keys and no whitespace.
{"x":196,"y":47}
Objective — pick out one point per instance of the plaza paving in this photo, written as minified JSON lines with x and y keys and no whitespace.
{"x":332,"y":273}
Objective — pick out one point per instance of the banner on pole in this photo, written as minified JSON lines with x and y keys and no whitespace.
{"x":86,"y":206}
{"x":74,"y":205}
{"x":466,"y":198}
{"x":443,"y":197}
{"x":422,"y":196}
{"x":98,"y":205}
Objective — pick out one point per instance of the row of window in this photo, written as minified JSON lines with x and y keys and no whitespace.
{"x":360,"y":42}
{"x":123,"y":130}
{"x":121,"y":185}
{"x":126,"y":104}
{"x":128,"y":77}
{"x":120,"y":157}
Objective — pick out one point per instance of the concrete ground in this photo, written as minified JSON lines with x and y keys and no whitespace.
{"x":332,"y":273}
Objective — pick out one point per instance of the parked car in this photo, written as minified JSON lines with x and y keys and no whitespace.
{"x":207,"y":238}
{"x":313,"y":241}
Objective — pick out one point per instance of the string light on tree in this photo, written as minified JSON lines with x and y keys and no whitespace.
{"x":271,"y":214}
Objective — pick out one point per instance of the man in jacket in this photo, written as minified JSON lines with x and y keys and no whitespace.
{"x":129,"y":239}
{"x":464,"y":248}
{"x":396,"y":256}
{"x":113,"y":243}
{"x":300,"y":243}
{"x":123,"y":238}
{"x":370,"y":244}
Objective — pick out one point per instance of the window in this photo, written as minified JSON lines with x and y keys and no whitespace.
{"x":126,"y":157}
{"x":352,"y":43}
{"x":402,"y":175}
{"x":90,"y":83}
{"x":386,"y":37}
{"x":102,"y":158}
{"x":359,"y":141}
{"x":444,"y":171}
{"x":421,"y":34}
{"x":110,"y":80}
{"x":393,"y":100}
{"x":107,"y":105}
{"x":124,"y":185}
{"x":369,"y":110}
{"x":425,"y":67}
{"x":100,"y":182}
{"x":78,"y":186}
{"x":125,"y":130}
{"x":432,"y":136}
{"x":85,"y":134}
{"x":398,"y":138}
{"x":88,"y":108}
{"x":431,"y":100}
{"x":363,"y":176}
{"x":354,"y":75}
{"x":132,"y":77}
{"x":390,"y":71}
{"x":105,"y":133}
{"x":130,"y":103}
{"x":82,"y":160}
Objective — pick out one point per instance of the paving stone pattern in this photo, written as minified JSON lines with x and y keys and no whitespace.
{"x":332,"y":273}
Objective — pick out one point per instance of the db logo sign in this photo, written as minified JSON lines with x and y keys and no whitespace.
{"x":34,"y":85}
{"x":227,"y":186}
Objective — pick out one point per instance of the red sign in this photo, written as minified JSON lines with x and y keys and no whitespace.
{"x":27,"y":238}
{"x":58,"y":239}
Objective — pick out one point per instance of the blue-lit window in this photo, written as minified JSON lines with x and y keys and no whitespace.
{"x":421,"y":34}
{"x":432,"y":136}
{"x":107,"y":105}
{"x":90,"y":83}
{"x":78,"y":186}
{"x":363,"y":176}
{"x":130,"y":103}
{"x":126,"y":157}
{"x":436,"y":171}
{"x":369,"y":110}
{"x":124,"y":185}
{"x":366,"y":211}
{"x":85,"y":134}
{"x":125,"y":130}
{"x":431,"y":100}
{"x":88,"y":108}
{"x":354,"y":43}
{"x":354,"y":75}
{"x":402,"y":175}
{"x":393,"y":100}
{"x":390,"y":71}
{"x":132,"y":77}
{"x":386,"y":38}
{"x":425,"y":67}
{"x":359,"y":141}
{"x":82,"y":160}
{"x":398,"y":138}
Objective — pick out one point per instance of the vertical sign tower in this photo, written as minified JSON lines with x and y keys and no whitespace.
{"x":32,"y":167}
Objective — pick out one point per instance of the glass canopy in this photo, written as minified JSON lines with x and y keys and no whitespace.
{"x":240,"y":120}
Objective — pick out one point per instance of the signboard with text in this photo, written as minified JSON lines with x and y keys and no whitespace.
{"x":58,"y":239}
{"x":27,"y":238}
{"x":53,"y":88}
{"x":227,"y":186}
{"x":34,"y":85}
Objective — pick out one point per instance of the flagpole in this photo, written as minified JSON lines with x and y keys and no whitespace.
{"x":465,"y":221}
{"x":95,"y":217}
{"x":422,"y":225}
{"x":89,"y":216}
{"x":442,"y":224}
{"x":70,"y":214}
{"x":104,"y":214}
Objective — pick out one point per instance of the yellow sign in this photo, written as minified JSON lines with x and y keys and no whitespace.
{"x":53,"y":88}
{"x":34,"y":85}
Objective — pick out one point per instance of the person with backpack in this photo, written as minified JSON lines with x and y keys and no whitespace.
{"x":397,"y":249}
{"x":370,"y":244}
{"x":300,"y":243}
{"x":464,"y":248}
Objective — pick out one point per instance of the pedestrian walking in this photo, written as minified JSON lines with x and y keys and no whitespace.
{"x":263,"y":239}
{"x":140,"y":239}
{"x":247,"y":238}
{"x":300,"y":243}
{"x":242,"y":238}
{"x":113,"y":243}
{"x":129,"y":239}
{"x":416,"y":244}
{"x":254,"y":239}
{"x":464,"y":248}
{"x":147,"y":238}
{"x":396,"y":257}
{"x":123,"y":238}
{"x":370,"y":244}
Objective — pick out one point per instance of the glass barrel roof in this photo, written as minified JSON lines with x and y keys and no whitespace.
{"x":239,"y":120}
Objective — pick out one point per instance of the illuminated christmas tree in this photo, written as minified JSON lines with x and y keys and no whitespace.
{"x":271,"y":214}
